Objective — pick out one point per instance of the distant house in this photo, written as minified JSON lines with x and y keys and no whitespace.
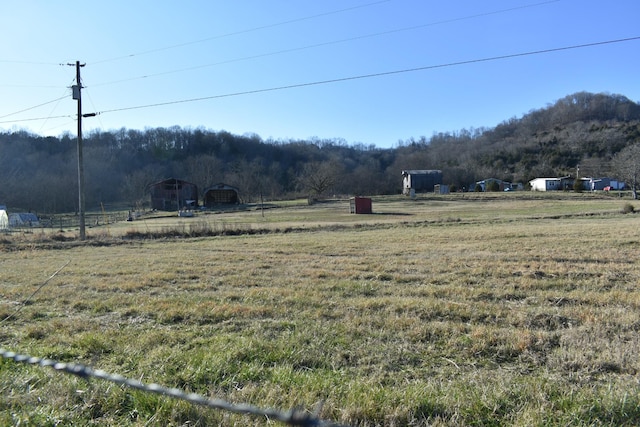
{"x":220,"y":194}
{"x":173,"y":194}
{"x":551,"y":184}
{"x":600,"y":184}
{"x":567,"y":183}
{"x":420,"y":180}
{"x":501,"y":185}
{"x":485,"y":184}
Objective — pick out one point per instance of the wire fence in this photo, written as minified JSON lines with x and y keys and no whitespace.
{"x":294,"y":417}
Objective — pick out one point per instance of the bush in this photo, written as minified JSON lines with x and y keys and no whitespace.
{"x":493,"y":186}
{"x":628,"y":208}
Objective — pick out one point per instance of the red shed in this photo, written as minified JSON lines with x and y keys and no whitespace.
{"x":360,"y":205}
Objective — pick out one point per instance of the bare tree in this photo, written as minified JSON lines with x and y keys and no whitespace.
{"x":205,"y":170}
{"x":136,"y":186}
{"x":627,"y":163}
{"x":319,"y":177}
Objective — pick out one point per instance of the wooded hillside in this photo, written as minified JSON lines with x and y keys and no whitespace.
{"x":585,"y":129}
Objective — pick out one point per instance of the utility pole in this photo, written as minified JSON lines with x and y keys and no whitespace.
{"x":76,"y":95}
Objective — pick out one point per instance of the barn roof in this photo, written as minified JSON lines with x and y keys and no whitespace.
{"x":172,"y":181}
{"x":221,"y":186}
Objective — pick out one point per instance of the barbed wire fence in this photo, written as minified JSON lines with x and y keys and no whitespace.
{"x":294,"y":417}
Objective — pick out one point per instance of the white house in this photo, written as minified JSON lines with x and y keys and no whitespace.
{"x":566,"y":183}
{"x":551,"y":184}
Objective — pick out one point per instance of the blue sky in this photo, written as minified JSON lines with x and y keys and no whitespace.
{"x":297,"y":69}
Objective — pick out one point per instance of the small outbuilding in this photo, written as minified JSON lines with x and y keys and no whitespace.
{"x":173,"y":195}
{"x":360,"y":205}
{"x":220,"y":194}
{"x":4,"y":219}
{"x":23,"y":219}
{"x":441,"y":189}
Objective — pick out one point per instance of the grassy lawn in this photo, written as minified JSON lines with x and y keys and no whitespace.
{"x":449,"y":310}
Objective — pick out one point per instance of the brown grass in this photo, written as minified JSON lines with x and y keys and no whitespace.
{"x":513,"y":313}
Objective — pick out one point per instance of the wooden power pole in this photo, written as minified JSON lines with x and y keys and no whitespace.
{"x":77,"y":96}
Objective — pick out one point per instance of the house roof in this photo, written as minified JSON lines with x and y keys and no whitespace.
{"x":421,"y":171}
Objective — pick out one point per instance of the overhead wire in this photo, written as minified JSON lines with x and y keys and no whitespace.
{"x":372,"y":75}
{"x":351,"y":78}
{"x":54,"y":109}
{"x":44,"y":119}
{"x":10,"y":61}
{"x":32,"y":108}
{"x":51,"y":113}
{"x":272,"y":53}
{"x":329,"y":43}
{"x":86,"y":91}
{"x":35,"y":119}
{"x":167,"y":48}
{"x":263,"y":27}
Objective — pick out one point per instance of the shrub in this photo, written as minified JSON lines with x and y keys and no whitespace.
{"x":628,"y":208}
{"x":493,"y":186}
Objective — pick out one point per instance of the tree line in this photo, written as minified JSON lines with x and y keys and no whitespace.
{"x":584,"y":129}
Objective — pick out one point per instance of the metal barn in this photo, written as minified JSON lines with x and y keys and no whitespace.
{"x":421,"y":181}
{"x":220,"y":194}
{"x":173,"y":194}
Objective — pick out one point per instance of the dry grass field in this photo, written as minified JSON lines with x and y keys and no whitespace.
{"x":505,"y":310}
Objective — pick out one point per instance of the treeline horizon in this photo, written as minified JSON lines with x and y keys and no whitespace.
{"x":582,"y":130}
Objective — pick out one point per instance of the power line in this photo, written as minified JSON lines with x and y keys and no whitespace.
{"x":372,"y":75}
{"x":250,"y":30}
{"x":51,"y":113}
{"x":30,"y":86}
{"x":34,"y":107}
{"x":37,"y":106}
{"x":93,"y":105}
{"x":35,"y":119}
{"x":344,"y":79}
{"x":36,"y":86}
{"x":362,"y":37}
{"x":9,"y":61}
